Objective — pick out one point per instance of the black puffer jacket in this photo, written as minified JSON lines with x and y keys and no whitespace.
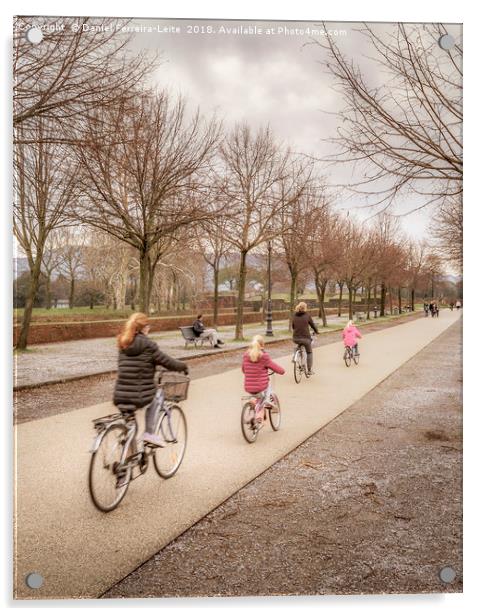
{"x":136,"y":366}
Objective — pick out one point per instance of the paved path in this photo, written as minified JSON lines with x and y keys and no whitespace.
{"x":44,"y":363}
{"x":378,"y":491}
{"x":81,"y":552}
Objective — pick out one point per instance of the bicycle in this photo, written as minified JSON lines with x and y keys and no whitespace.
{"x":349,"y":355}
{"x":300,"y":362}
{"x":117,"y":454}
{"x":256,"y":408}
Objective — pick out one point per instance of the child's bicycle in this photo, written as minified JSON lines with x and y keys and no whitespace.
{"x":253,"y":413}
{"x":349,"y":355}
{"x":117,"y":454}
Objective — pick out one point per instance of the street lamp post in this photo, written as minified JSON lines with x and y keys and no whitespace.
{"x":269,"y":312}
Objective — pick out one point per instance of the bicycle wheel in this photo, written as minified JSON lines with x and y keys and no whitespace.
{"x":347,"y":357}
{"x":275,"y":413}
{"x":172,"y":428}
{"x":248,"y":422}
{"x":297,"y":369}
{"x":356,"y":359}
{"x":103,"y":470}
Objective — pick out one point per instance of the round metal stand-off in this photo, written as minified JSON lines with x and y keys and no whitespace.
{"x":34,"y":580}
{"x":447,"y":574}
{"x":446,"y":42}
{"x":34,"y":35}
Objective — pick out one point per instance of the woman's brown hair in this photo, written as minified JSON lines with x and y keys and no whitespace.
{"x":135,"y":323}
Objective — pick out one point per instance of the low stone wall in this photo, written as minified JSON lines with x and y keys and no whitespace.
{"x":60,"y":332}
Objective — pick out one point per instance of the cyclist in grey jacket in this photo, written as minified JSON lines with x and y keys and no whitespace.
{"x":138,"y":358}
{"x":301,"y":324}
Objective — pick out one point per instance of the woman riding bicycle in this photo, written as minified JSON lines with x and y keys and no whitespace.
{"x":301,"y":323}
{"x":138,"y":358}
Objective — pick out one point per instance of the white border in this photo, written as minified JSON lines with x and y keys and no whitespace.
{"x":349,"y":10}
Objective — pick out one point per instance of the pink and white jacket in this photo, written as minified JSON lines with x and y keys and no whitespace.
{"x":350,"y":335}
{"x":256,"y":376}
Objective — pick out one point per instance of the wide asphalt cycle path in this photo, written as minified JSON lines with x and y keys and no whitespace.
{"x":81,"y":552}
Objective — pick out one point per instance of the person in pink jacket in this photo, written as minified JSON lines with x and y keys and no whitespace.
{"x":255,"y":366}
{"x":350,"y":335}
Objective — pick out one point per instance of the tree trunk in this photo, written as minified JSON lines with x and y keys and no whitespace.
{"x":241,"y":289}
{"x":369,"y":290}
{"x":71,"y":292}
{"x":48,"y":293}
{"x":412,"y":307}
{"x":143,"y":281}
{"x":383,"y":293}
{"x":390,"y":290}
{"x":320,"y":291}
{"x":340,"y":297}
{"x":27,"y":311}
{"x":399,"y":300}
{"x":350,"y":301}
{"x":293,"y":290}
{"x":216,"y":297}
{"x":133,"y":292}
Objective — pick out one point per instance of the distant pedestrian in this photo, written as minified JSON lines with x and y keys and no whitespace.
{"x":425,"y":308}
{"x":451,"y":305}
{"x":458,"y":304}
{"x":431,"y":307}
{"x":436,"y":309}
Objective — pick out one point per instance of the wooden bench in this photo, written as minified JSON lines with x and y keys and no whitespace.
{"x":189,"y":336}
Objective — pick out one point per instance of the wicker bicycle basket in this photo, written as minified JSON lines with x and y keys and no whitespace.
{"x":174,"y":385}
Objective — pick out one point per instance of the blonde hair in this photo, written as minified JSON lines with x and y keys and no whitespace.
{"x":301,"y":307}
{"x":135,"y":323}
{"x":349,"y":324}
{"x":256,"y":348}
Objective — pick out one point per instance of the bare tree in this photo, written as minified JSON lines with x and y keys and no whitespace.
{"x":140,"y":183}
{"x":325,"y":251}
{"x":258,"y":183}
{"x":45,"y":185}
{"x":212,"y":241}
{"x":358,"y":253}
{"x":405,"y":131}
{"x":72,"y":256}
{"x":447,"y":229}
{"x":296,"y":222}
{"x":51,"y":259}
{"x":73,"y":71}
{"x":416,"y":253}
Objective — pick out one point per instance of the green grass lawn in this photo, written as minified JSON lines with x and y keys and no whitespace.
{"x":65,"y":313}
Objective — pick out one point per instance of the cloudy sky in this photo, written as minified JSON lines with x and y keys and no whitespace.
{"x":275,"y":77}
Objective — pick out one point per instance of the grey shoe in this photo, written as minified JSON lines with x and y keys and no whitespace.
{"x":153,"y":439}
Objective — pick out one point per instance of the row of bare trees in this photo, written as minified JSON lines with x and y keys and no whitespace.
{"x":131,"y":174}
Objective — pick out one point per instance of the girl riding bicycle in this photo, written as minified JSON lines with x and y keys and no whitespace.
{"x":255,"y":366}
{"x":138,"y":358}
{"x":350,"y":335}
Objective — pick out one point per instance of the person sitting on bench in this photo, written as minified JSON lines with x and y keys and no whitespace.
{"x":201,"y":332}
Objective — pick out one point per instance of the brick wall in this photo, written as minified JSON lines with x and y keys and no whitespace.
{"x":59,"y":332}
